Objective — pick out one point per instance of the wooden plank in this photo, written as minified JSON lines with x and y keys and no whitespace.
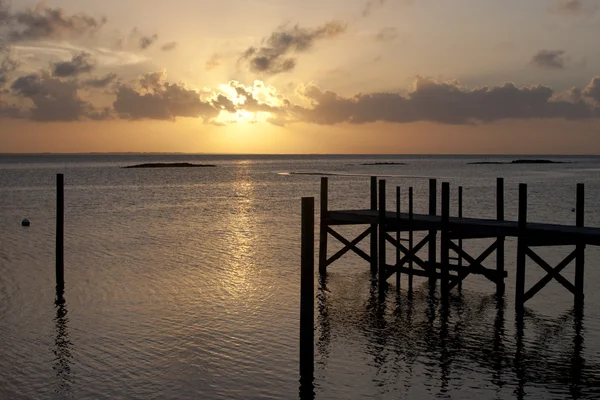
{"x":307,"y":283}
{"x":580,"y":247}
{"x":374,"y":225}
{"x":433,"y":230}
{"x":521,"y":249}
{"x":474,"y":262}
{"x":382,"y":233}
{"x":500,"y":287}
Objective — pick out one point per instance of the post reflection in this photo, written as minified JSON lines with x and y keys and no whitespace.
{"x":417,"y":331}
{"x":63,"y":358}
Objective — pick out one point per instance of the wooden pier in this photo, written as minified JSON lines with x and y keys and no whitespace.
{"x":385,"y":227}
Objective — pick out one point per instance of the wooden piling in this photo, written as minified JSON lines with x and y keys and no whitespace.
{"x":444,"y":239}
{"x":323,"y":226}
{"x":521,"y":249}
{"x":500,"y":286}
{"x":398,"y":237}
{"x":459,"y":260}
{"x":433,"y":232}
{"x":410,"y":236}
{"x":307,"y":281}
{"x":374,"y":244}
{"x":382,"y":234}
{"x":60,"y":232}
{"x":580,"y":247}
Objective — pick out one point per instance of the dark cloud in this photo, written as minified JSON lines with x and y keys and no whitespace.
{"x":273,"y":56}
{"x":7,"y":65}
{"x":387,"y":34}
{"x":147,"y":41}
{"x":79,"y":64}
{"x":54,"y":99}
{"x":100,"y":83}
{"x":569,"y":5}
{"x":445,"y":102}
{"x":214,"y":61}
{"x":592,"y":90}
{"x":42,"y":22}
{"x":154,"y":98}
{"x":372,"y":5}
{"x":169,"y":46}
{"x":552,"y":59}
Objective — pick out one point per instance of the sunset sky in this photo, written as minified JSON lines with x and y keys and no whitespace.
{"x":283,"y":76}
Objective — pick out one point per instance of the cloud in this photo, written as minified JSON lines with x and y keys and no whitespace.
{"x":147,"y":41}
{"x":102,"y":82}
{"x":387,"y":34}
{"x":152,"y":97}
{"x":42,"y":22}
{"x":79,"y":64}
{"x":7,"y":65}
{"x":446,"y":103}
{"x":169,"y":46}
{"x":372,"y":5}
{"x":273,"y":56}
{"x":54,"y":99}
{"x":214,"y":61}
{"x":574,"y":7}
{"x":552,"y":59}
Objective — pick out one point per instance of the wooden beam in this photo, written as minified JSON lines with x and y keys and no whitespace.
{"x":348,"y":245}
{"x":580,"y":247}
{"x":382,"y":234}
{"x":323,"y":226}
{"x":444,"y":240}
{"x":546,"y":279}
{"x":398,"y":235}
{"x":500,"y":286}
{"x":521,"y":249}
{"x":307,"y":284}
{"x":460,"y":240}
{"x":412,"y":253}
{"x":410,"y":234}
{"x":554,"y":273}
{"x":476,"y":263}
{"x":432,"y":232}
{"x":374,"y":226}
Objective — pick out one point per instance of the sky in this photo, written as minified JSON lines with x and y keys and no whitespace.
{"x":312,"y":76}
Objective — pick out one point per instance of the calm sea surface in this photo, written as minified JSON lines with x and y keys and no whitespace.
{"x":184,"y":284}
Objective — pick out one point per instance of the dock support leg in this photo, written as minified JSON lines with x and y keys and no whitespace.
{"x":60,"y":232}
{"x":433,"y":232}
{"x":444,"y":245}
{"x":460,"y":241}
{"x":410,"y":236}
{"x":580,"y":257}
{"x":521,"y":249}
{"x":323,"y":226}
{"x":307,"y":282}
{"x":374,"y":244}
{"x":500,"y":285}
{"x":382,"y":234}
{"x":398,"y":237}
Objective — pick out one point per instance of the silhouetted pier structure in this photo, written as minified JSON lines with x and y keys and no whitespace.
{"x":384,"y":227}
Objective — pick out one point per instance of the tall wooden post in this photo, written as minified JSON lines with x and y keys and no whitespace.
{"x":307,"y":282}
{"x":410,"y":236}
{"x":521,"y":248}
{"x":382,"y":233}
{"x":444,"y":245}
{"x":459,"y":258}
{"x":500,"y":286}
{"x":433,"y":232}
{"x":60,"y":232}
{"x":323,"y":226}
{"x":398,"y":237}
{"x":374,"y":263}
{"x":580,"y":247}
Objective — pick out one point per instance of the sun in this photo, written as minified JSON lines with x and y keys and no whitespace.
{"x":242,"y":117}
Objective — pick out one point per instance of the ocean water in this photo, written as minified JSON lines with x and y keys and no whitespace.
{"x":184,"y":284}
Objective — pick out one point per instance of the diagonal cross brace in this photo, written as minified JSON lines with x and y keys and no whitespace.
{"x":410,"y":254}
{"x":473,"y":263}
{"x":348,"y":245}
{"x":551,"y":273}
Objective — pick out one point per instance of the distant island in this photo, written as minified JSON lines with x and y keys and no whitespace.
{"x":385,"y":163}
{"x":170,"y":165}
{"x":534,"y":161}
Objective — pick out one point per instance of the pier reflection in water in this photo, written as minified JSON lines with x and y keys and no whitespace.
{"x":63,"y":358}
{"x":461,"y":346}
